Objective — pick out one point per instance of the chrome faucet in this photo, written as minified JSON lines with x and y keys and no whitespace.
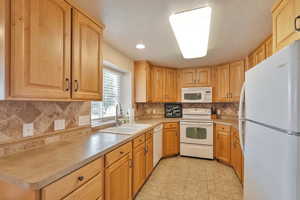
{"x":118,"y":109}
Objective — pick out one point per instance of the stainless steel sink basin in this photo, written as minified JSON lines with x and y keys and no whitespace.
{"x":127,"y":129}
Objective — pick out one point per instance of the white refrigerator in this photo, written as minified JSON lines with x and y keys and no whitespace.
{"x":270,"y":127}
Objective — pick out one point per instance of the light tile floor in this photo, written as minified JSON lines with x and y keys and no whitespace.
{"x":182,"y":178}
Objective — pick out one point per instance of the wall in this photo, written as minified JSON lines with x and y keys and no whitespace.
{"x":156,"y":110}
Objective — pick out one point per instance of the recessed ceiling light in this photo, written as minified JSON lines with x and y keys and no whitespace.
{"x":140,"y":46}
{"x":191,"y":29}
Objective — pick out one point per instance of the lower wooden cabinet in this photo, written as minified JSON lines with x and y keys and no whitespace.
{"x":223,"y":144}
{"x":149,"y":156}
{"x":139,"y":167}
{"x":118,"y":179}
{"x":170,"y":139}
{"x":236,"y":154}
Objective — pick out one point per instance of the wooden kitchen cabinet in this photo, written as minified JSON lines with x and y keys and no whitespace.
{"x":170,"y":85}
{"x":284,"y":13}
{"x":158,"y":81}
{"x":118,"y":177}
{"x":260,"y":54}
{"x":41,"y":49}
{"x":269,"y":47}
{"x":142,"y":78}
{"x":170,"y":139}
{"x":149,"y":155}
{"x":222,"y":81}
{"x":196,"y":77}
{"x":139,"y":167}
{"x":87,"y":58}
{"x":237,"y":79}
{"x":236,"y":154}
{"x":223,"y":143}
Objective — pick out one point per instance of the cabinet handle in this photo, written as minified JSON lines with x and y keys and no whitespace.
{"x":68,"y":84}
{"x":81,"y":178}
{"x":76,"y":86}
{"x":296,"y":19}
{"x":121,"y":152}
{"x":130,"y":163}
{"x":146,"y":150}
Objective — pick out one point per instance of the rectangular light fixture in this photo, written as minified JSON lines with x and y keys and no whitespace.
{"x":191,"y":29}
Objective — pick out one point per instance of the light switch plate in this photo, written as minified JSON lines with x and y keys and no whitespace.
{"x":59,"y":124}
{"x":84,"y":120}
{"x":27,"y":130}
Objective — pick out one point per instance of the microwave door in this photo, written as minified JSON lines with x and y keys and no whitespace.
{"x":192,"y":97}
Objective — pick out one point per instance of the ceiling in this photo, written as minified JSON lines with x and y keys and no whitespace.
{"x":237,"y":27}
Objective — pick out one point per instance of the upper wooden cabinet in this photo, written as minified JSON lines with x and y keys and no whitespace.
{"x":40,"y":52}
{"x":221,"y":81}
{"x":260,"y":53}
{"x":87,"y":58}
{"x":229,"y":79}
{"x":142,"y":78}
{"x":237,"y":79}
{"x":284,"y":14}
{"x":170,"y":85}
{"x":196,"y":77}
{"x":269,"y":47}
{"x":158,"y":81}
{"x":40,"y":49}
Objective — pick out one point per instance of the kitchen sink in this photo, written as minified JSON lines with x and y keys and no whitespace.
{"x":127,"y":129}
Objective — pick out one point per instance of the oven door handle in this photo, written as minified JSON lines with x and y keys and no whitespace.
{"x":194,"y":123}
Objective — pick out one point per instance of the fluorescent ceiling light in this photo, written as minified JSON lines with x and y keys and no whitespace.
{"x":191,"y":29}
{"x":140,"y":46}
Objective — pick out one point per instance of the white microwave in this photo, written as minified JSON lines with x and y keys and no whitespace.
{"x":196,"y":95}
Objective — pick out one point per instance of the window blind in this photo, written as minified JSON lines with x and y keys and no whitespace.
{"x":111,"y":96}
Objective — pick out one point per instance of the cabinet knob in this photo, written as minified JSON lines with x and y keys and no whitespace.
{"x":296,"y":27}
{"x":81,"y":178}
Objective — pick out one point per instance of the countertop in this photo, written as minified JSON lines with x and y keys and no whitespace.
{"x":34,"y":169}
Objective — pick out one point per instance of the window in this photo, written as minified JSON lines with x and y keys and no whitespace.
{"x":106,"y":109}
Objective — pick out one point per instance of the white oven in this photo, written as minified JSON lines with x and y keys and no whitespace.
{"x":196,"y":95}
{"x":196,"y":133}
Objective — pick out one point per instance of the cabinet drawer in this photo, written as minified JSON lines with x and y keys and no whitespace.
{"x":118,"y":153}
{"x":149,"y":135}
{"x":139,"y":140}
{"x":220,"y":127}
{"x":93,"y":190}
{"x":71,"y":182}
{"x":171,"y":125}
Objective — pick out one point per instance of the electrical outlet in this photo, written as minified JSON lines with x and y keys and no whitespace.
{"x":59,"y":124}
{"x":84,"y":120}
{"x":27,"y":130}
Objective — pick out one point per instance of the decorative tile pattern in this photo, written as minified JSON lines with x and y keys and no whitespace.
{"x":13,"y":114}
{"x":157,"y":110}
{"x":182,"y":178}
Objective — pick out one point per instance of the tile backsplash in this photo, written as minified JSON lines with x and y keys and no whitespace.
{"x":13,"y":114}
{"x":156,"y":110}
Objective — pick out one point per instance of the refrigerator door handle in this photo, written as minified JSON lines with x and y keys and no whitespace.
{"x":241,"y":117}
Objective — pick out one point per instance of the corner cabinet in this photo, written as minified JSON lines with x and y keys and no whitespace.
{"x":158,"y":78}
{"x":87,"y":58}
{"x":170,"y":85}
{"x":142,"y":79}
{"x":41,"y":47}
{"x":284,"y":14}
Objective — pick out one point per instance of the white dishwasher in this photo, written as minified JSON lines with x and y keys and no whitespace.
{"x":157,"y":144}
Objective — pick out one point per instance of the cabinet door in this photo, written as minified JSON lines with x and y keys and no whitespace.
{"x":118,"y":180}
{"x":87,"y":58}
{"x":170,"y":86}
{"x":149,"y":156}
{"x":260,"y":54}
{"x":203,"y":76}
{"x":284,"y":23}
{"x":269,"y":47}
{"x":188,"y":78}
{"x":142,"y":81}
{"x":223,"y":146}
{"x":170,"y":142}
{"x":222,"y":83}
{"x":40,"y":49}
{"x":237,"y":78}
{"x":157,"y":77}
{"x":251,"y":61}
{"x":236,"y":154}
{"x":139,"y":167}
